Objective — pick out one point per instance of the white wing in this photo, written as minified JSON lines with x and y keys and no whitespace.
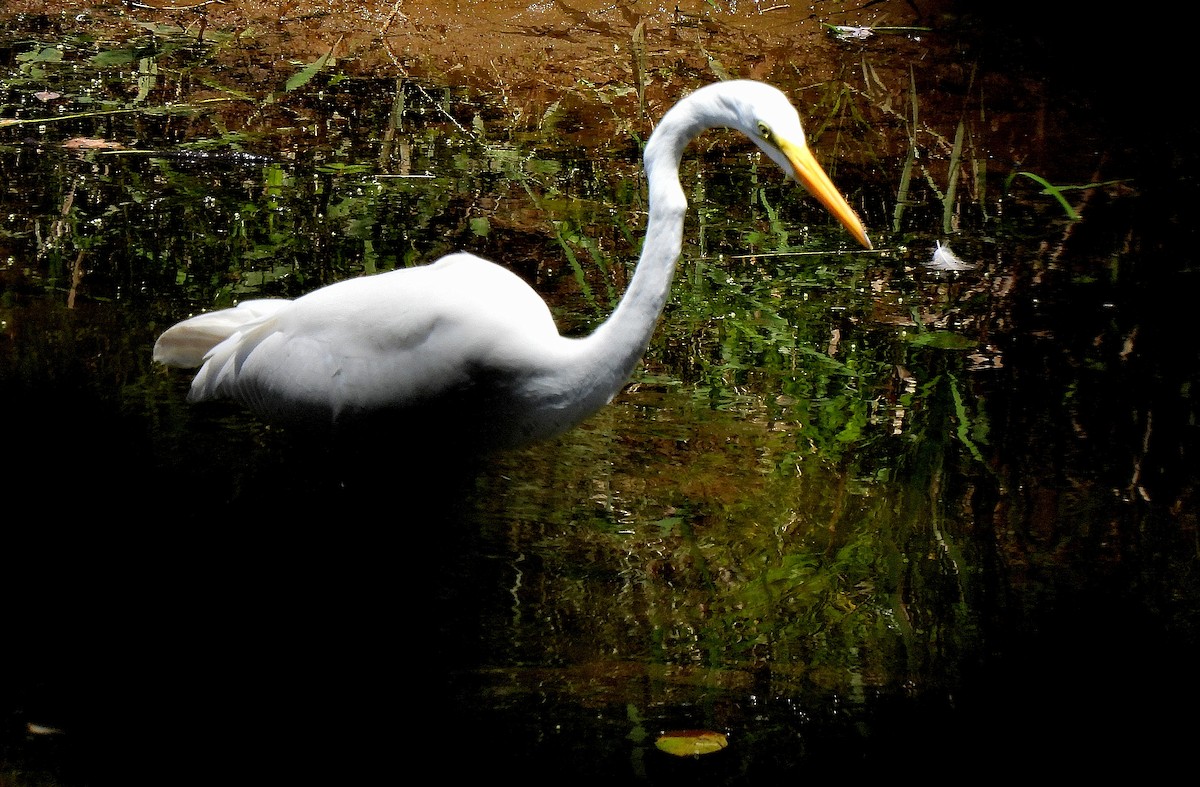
{"x":386,"y":342}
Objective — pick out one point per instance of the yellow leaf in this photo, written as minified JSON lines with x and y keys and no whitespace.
{"x":689,"y":743}
{"x":91,"y":143}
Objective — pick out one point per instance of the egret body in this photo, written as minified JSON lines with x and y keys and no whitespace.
{"x":463,"y":345}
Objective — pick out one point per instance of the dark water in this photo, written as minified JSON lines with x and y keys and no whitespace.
{"x":860,"y":516}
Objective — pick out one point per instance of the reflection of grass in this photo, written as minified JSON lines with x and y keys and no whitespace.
{"x":725,"y":564}
{"x":963,"y":420}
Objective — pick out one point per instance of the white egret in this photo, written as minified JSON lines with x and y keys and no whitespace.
{"x":463,"y":346}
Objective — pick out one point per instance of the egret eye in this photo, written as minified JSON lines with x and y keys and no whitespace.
{"x":764,"y":130}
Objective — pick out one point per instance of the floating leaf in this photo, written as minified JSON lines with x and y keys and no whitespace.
{"x":691,"y":743}
{"x":91,"y":143}
{"x":113,"y":57}
{"x":942,"y":340}
{"x":48,"y":54}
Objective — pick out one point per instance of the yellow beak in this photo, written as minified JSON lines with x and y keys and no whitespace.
{"x":809,"y":172}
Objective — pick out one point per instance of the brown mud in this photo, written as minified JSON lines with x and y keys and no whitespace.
{"x":511,"y":44}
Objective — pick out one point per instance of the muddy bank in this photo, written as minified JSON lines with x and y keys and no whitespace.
{"x":509,"y":44}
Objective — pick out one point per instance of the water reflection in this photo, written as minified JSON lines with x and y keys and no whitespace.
{"x":850,"y":512}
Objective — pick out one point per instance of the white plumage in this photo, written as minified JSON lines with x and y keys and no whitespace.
{"x":463,"y":345}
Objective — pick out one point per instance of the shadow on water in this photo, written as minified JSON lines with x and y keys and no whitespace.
{"x":179,"y":622}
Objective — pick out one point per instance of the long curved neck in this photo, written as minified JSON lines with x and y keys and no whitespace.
{"x":608,"y":356}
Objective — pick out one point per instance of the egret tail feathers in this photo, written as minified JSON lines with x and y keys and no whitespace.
{"x":186,"y":344}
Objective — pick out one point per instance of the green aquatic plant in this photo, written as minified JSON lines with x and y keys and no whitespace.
{"x":1049,"y":189}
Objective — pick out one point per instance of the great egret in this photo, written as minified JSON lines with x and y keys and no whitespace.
{"x":463,"y":346}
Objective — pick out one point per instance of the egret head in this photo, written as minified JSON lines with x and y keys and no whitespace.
{"x":764,"y":114}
